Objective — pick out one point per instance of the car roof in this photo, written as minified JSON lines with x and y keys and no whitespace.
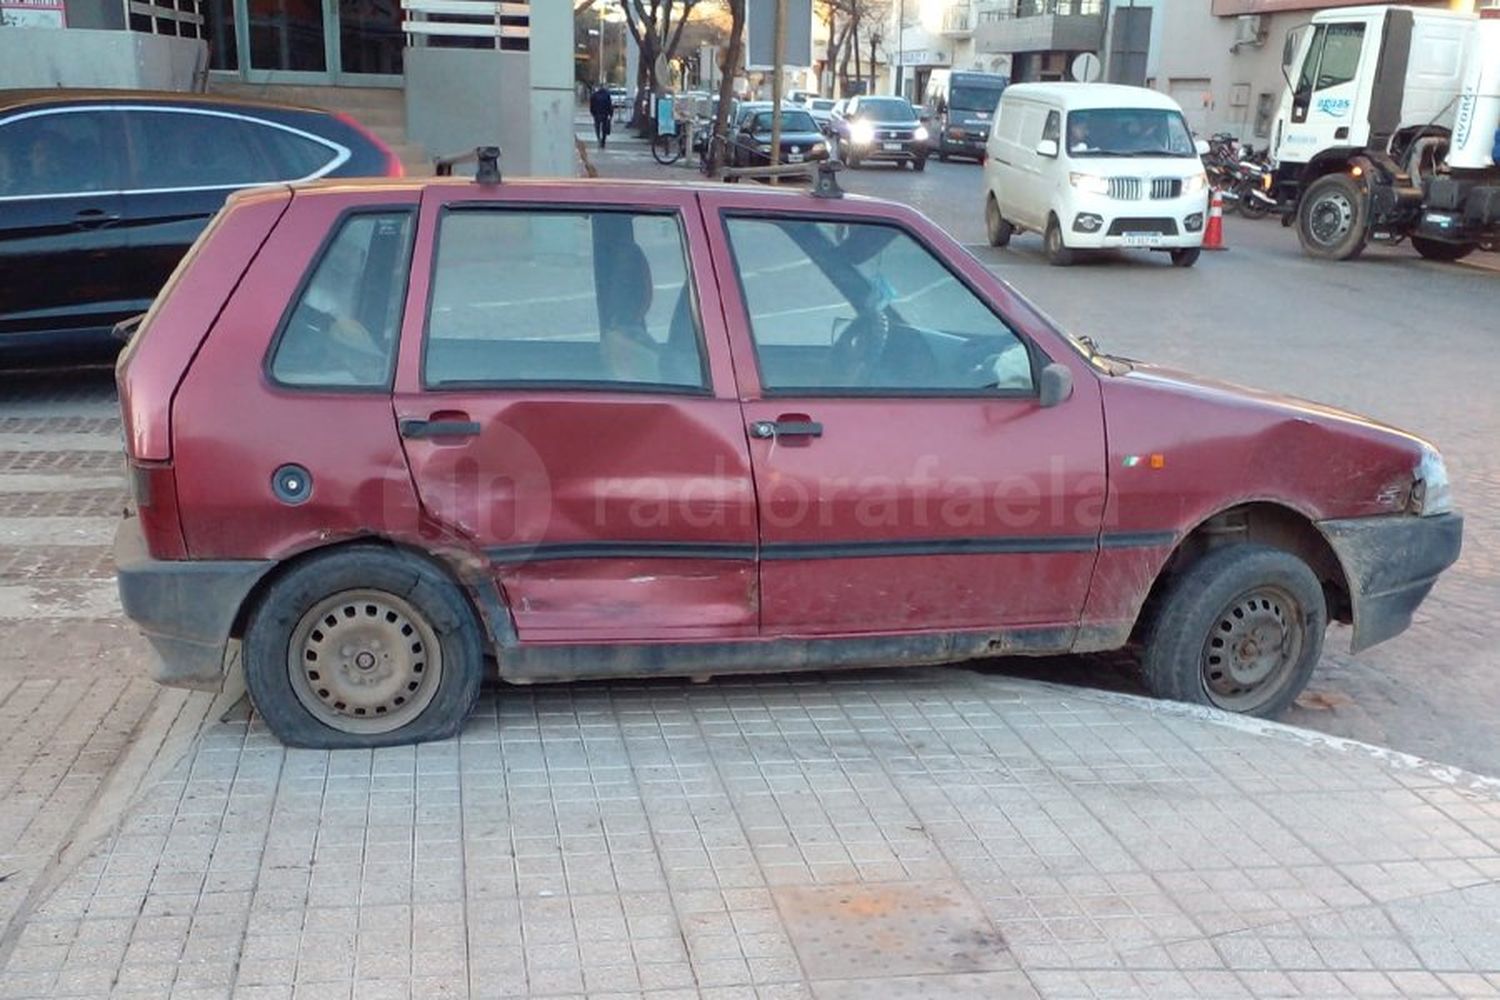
{"x":1078,"y":96}
{"x":12,"y":100}
{"x":772,"y":197}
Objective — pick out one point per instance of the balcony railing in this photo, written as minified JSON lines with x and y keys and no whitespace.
{"x":1040,"y":26}
{"x":505,"y":23}
{"x":958,"y":19}
{"x":1041,"y":8}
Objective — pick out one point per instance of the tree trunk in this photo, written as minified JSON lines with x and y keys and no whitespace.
{"x":726,"y":84}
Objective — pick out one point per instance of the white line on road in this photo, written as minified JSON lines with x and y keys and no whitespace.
{"x":26,"y":531}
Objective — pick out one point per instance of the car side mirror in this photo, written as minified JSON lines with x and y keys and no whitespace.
{"x":1055,"y":384}
{"x":1201,"y":145}
{"x":1047,"y":147}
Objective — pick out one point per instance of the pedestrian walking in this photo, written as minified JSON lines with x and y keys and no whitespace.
{"x":602,"y":107}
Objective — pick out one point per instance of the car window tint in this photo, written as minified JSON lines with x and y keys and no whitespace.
{"x":343,"y":330}
{"x":574,"y":298}
{"x":292,"y":156}
{"x":179,"y":149}
{"x":865,"y":308}
{"x":63,"y":152}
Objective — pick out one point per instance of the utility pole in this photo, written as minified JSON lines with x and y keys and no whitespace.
{"x":602,"y":71}
{"x":900,"y":70}
{"x":777,"y":71}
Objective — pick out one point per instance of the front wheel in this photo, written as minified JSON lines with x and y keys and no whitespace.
{"x":919,"y":164}
{"x":1185,"y":257}
{"x":1058,"y":254}
{"x":666,"y":149}
{"x":1333,"y":220}
{"x":1440,"y":250}
{"x":363,"y":647}
{"x":1251,"y":207}
{"x":1240,"y":630}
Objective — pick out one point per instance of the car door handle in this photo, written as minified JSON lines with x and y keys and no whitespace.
{"x":439,"y":428}
{"x":94,"y":218}
{"x":765,"y":429}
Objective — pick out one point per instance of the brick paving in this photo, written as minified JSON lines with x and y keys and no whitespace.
{"x":908,"y":833}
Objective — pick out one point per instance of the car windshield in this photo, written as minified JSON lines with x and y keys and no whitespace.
{"x":824,"y":105}
{"x":1128,"y":132}
{"x":974,"y":99}
{"x":888,"y":109}
{"x":791,"y":121}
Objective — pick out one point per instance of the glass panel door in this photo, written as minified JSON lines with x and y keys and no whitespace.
{"x":287,"y":35}
{"x":370,"y":39}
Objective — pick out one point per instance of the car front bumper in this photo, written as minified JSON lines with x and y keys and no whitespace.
{"x":185,"y":608}
{"x":873,"y":151}
{"x":1124,"y":224}
{"x":1391,"y":563}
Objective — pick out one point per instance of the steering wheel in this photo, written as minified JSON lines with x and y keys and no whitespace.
{"x":860,"y":347}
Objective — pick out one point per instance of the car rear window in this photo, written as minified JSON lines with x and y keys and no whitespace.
{"x":342,"y":330}
{"x":575,"y":299}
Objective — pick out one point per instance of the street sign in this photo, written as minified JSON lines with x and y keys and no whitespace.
{"x":760,"y":34}
{"x":1086,"y":67}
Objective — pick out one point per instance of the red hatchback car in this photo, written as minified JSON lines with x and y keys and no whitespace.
{"x":392,"y":436}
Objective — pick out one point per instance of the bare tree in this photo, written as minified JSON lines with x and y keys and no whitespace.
{"x":851,"y":23}
{"x":656,"y":26}
{"x":727,"y":74}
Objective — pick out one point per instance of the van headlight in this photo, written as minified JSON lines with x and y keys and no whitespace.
{"x":920,"y":133}
{"x":1089,"y":183}
{"x":861,"y":133}
{"x":1431,"y":492}
{"x":1194,"y":184}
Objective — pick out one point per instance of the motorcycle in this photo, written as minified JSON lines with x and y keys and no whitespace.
{"x":1252,"y":185}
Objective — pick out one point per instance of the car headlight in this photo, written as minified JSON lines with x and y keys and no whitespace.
{"x":920,"y":134}
{"x":1431,"y":492}
{"x":1089,"y":183}
{"x":819,"y":148}
{"x":1194,"y":184}
{"x":861,"y":133}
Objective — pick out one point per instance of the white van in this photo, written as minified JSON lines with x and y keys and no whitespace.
{"x":1093,"y":166}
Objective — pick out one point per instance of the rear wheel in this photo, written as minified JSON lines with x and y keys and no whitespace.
{"x":1241,"y":630}
{"x":666,"y":149}
{"x":1439,"y":250}
{"x":1332,"y":222}
{"x":995,"y":225}
{"x":1058,"y":254}
{"x":363,"y":647}
{"x":1251,"y":207}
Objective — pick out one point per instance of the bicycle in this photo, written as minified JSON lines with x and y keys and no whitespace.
{"x":712,"y":141}
{"x":668,"y":148}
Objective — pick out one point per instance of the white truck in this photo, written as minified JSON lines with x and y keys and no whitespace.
{"x":1389,"y":130}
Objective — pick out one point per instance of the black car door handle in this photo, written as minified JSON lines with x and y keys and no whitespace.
{"x":439,"y":428}
{"x":94,"y":218}
{"x":785,"y":428}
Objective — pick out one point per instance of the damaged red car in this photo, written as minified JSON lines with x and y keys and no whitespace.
{"x":391,"y":438}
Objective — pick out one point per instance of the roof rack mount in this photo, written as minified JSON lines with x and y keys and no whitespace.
{"x":487,"y":158}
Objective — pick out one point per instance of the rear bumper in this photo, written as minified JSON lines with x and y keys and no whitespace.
{"x":1391,"y":564}
{"x":967,"y":146}
{"x":185,"y":608}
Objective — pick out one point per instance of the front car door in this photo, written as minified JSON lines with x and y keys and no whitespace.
{"x":1328,"y":103}
{"x":908,"y":477}
{"x":63,"y":254}
{"x":568,"y":411}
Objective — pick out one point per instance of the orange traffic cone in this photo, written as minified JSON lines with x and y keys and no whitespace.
{"x":1213,"y":236}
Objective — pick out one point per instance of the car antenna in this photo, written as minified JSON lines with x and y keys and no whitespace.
{"x":826,"y":183}
{"x":487,"y":158}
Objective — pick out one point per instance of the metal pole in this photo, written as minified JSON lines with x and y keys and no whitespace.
{"x":601,"y":51}
{"x":900,"y":49}
{"x":777,"y":71}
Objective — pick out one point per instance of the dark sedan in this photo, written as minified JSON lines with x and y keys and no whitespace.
{"x":801,"y":140}
{"x":880,"y":128}
{"x":102,"y":193}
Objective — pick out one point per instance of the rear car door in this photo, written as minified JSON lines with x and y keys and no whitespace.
{"x":568,"y":411}
{"x":64,"y":263}
{"x":907,"y":474}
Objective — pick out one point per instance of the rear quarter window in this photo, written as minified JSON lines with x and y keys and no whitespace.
{"x":293,"y":155}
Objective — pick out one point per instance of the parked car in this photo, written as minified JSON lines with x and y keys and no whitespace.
{"x":1094,"y":166}
{"x":801,"y":140}
{"x":102,"y":192}
{"x":722,"y":429}
{"x":821,"y":109}
{"x":800,"y":97}
{"x":879,"y":128}
{"x":960,"y":108}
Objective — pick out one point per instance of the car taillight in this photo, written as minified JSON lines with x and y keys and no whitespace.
{"x":393,"y":165}
{"x":153,"y":492}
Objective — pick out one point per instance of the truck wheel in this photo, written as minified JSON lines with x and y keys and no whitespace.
{"x":1440,"y":250}
{"x":998,"y":230}
{"x":364,"y":647}
{"x":1333,"y":219}
{"x":1058,"y":254}
{"x":1240,"y":630}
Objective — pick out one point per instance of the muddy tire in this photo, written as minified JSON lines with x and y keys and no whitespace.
{"x":1240,"y":630}
{"x":1058,"y":254}
{"x":1334,"y":217}
{"x":366,"y":646}
{"x":996,"y":227}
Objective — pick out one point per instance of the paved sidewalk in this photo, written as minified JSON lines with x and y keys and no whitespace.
{"x":906,"y":833}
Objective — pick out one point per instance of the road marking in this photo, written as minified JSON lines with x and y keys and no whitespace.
{"x":27,"y":531}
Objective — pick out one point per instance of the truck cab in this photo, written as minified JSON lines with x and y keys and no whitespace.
{"x":1389,"y":118}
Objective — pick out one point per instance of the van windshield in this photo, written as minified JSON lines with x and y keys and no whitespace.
{"x":886,"y":109}
{"x":1128,"y":132}
{"x":974,"y":99}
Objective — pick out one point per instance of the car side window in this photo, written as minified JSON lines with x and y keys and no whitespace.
{"x":342,"y":331}
{"x":855,"y":308}
{"x":293,"y":156}
{"x":61,"y":152}
{"x":1053,"y":128}
{"x":188,"y":149}
{"x":575,"y":299}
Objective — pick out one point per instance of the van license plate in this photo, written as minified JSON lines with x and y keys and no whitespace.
{"x":1142,"y":239}
{"x":891,"y":147}
{"x":794,"y":157}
